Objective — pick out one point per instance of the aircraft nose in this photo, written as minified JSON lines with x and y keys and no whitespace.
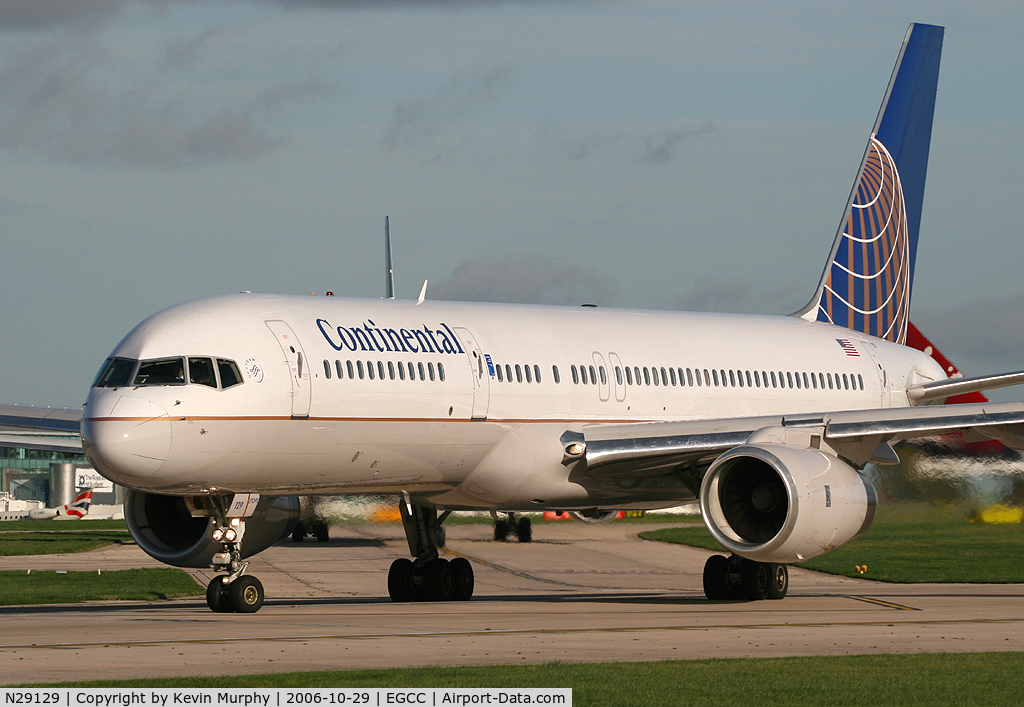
{"x":129,"y":442}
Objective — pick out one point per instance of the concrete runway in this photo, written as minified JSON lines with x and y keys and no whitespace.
{"x":578,"y":593}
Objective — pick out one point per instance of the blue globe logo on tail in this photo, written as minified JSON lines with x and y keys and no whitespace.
{"x":867,"y":288}
{"x":869,"y":278}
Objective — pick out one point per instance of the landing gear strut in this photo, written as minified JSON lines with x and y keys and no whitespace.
{"x":739,"y":578}
{"x":429,"y":577}
{"x":233,"y":591}
{"x":521,"y":528}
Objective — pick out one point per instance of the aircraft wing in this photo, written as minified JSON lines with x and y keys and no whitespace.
{"x":859,"y":436}
{"x":44,"y":428}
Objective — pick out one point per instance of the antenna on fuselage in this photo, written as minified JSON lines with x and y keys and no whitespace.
{"x":389,"y":274}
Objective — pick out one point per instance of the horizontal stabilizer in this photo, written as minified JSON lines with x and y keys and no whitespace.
{"x":941,"y":390}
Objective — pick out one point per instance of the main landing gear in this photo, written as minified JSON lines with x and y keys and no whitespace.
{"x":521,"y":528}
{"x":320,"y":530}
{"x":428,"y":577}
{"x":739,"y":578}
{"x":233,"y":591}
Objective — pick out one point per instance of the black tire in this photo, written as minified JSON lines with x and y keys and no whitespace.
{"x":323,"y":532}
{"x":298,"y":533}
{"x":246,"y":594}
{"x":501,"y":530}
{"x":463,"y":581}
{"x":778,"y":581}
{"x":401,"y":584}
{"x":716,"y":578}
{"x":437,"y":580}
{"x":754,"y":580}
{"x":440,"y":536}
{"x":218,"y":597}
{"x":524,"y":529}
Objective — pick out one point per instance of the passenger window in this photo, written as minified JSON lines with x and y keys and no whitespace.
{"x":348,"y":365}
{"x":664,"y":376}
{"x":229,"y":374}
{"x":618,"y":375}
{"x":430,"y":369}
{"x":497,"y":372}
{"x":391,"y":370}
{"x":789,"y":379}
{"x":369,"y":370}
{"x":805,"y":380}
{"x":519,"y":373}
{"x":200,"y":371}
{"x":689,"y":377}
{"x":732,"y":378}
{"x":797,"y":377}
{"x":508,"y":373}
{"x":162,"y":371}
{"x":774,"y":382}
{"x":536,"y":373}
{"x":714,"y":375}
{"x":647,"y":376}
{"x":440,"y":371}
{"x":593,"y":375}
{"x":604,"y":375}
{"x":529,"y":376}
{"x":554,"y":372}
{"x":401,"y":371}
{"x":654,"y":375}
{"x":359,"y":367}
{"x":629,"y":375}
{"x":860,"y":379}
{"x":749,"y":384}
{"x":339,"y":369}
{"x":829,"y":381}
{"x":327,"y":369}
{"x":583,"y":375}
{"x":846,"y":382}
{"x":814,"y":381}
{"x":380,"y":370}
{"x":757,"y":380}
{"x":419,"y":366}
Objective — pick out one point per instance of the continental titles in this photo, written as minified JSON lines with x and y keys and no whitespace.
{"x":370,"y":337}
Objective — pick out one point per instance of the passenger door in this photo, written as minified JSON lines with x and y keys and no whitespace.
{"x":298,"y":366}
{"x":480,"y":373}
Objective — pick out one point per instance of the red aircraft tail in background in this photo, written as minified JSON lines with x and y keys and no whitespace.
{"x":920,"y":342}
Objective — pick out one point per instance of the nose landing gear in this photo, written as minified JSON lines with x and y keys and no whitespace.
{"x":234,"y":591}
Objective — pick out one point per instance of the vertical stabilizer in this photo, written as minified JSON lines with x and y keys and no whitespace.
{"x":867,"y":282}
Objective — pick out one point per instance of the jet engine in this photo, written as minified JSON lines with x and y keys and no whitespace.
{"x":780,"y":504}
{"x":165,"y":528}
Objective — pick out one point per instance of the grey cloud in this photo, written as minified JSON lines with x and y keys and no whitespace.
{"x":50,"y":105}
{"x":659,"y":148}
{"x":44,"y":14}
{"x":983,"y":336}
{"x":709,"y":294}
{"x":424,"y":119}
{"x":532,"y":279}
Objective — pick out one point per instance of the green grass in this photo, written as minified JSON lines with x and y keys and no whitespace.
{"x":53,"y":542}
{"x":909,"y":543}
{"x":85,"y":524}
{"x":922,"y":679}
{"x":45,"y":587}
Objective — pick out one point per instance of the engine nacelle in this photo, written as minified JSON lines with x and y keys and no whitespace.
{"x":774,"y":503}
{"x":164,"y":527}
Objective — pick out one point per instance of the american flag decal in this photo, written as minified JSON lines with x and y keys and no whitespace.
{"x":848,"y":347}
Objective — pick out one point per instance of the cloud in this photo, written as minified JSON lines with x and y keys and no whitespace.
{"x":531,"y":279}
{"x":44,"y":14}
{"x":52,"y":102}
{"x":423,"y":120}
{"x":710,"y":294}
{"x":981,"y":336}
{"x":659,"y":148}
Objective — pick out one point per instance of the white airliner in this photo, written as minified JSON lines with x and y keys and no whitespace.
{"x":79,"y":508}
{"x":217,"y":413}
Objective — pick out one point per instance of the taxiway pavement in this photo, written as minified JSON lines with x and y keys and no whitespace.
{"x":579,"y":592}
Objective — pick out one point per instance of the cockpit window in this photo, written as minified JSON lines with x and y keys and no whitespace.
{"x":229,"y":374}
{"x":161,"y":371}
{"x":115,"y":373}
{"x":200,"y":370}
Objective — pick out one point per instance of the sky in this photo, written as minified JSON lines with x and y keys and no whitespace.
{"x":637,"y":153}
